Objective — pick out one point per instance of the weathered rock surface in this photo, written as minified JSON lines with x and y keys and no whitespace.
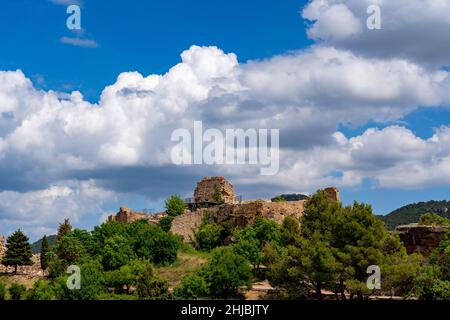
{"x":240,"y":215}
{"x":333,"y":193}
{"x":421,"y":239}
{"x":207,"y":187}
{"x":126,"y":215}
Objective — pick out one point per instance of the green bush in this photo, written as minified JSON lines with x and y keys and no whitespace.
{"x":192,"y":287}
{"x":16,"y":291}
{"x":432,"y":219}
{"x":152,"y":243}
{"x":226,"y":273}
{"x":42,"y":290}
{"x":174,"y":206}
{"x":2,"y":291}
{"x":166,"y":223}
{"x":127,"y":276}
{"x":117,"y":252}
{"x":208,"y":236}
{"x":151,"y":287}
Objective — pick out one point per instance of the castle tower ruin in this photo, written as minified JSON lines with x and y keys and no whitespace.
{"x":214,"y":190}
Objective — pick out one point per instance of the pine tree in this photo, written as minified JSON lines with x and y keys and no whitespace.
{"x":44,"y":253}
{"x":63,"y":229}
{"x":18,"y":251}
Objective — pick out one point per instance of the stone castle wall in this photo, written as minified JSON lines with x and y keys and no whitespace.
{"x":241,"y":215}
{"x":126,"y":215}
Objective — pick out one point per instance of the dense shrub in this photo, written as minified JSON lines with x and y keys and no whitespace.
{"x":166,"y":223}
{"x":150,"y":287}
{"x":17,"y":291}
{"x":208,"y":236}
{"x":2,"y":291}
{"x":152,"y":243}
{"x":226,"y":272}
{"x":192,"y":287}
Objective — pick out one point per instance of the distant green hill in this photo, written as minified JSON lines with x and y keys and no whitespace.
{"x":36,"y":247}
{"x":291,"y":197}
{"x":411,"y":212}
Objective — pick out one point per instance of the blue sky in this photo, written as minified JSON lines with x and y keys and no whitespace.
{"x":81,"y":134}
{"x":146,"y":36}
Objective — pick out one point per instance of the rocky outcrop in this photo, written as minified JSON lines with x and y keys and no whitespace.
{"x":206,"y":190}
{"x":421,"y":239}
{"x":240,"y":215}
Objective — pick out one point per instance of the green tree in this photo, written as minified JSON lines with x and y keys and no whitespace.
{"x":432,"y":219}
{"x":17,"y":291}
{"x":92,"y":283}
{"x":117,"y":252}
{"x":63,"y":229}
{"x":430,"y":286}
{"x":150,"y":287}
{"x":251,"y":240}
{"x":208,"y":236}
{"x":127,"y":276}
{"x":192,"y":287}
{"x":174,"y":206}
{"x":69,"y":249}
{"x":166,"y":223}
{"x":152,"y":243}
{"x":45,"y":252}
{"x":399,"y":270}
{"x":108,"y":230}
{"x":226,"y":273}
{"x":18,"y":251}
{"x":290,"y":231}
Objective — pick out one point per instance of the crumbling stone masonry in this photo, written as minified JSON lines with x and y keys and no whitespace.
{"x":126,"y":215}
{"x":333,"y":193}
{"x":240,"y":215}
{"x":208,"y":187}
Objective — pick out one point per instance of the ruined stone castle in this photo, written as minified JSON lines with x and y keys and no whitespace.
{"x":216,"y":196}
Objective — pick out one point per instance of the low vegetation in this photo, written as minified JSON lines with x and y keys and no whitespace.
{"x":328,"y":250}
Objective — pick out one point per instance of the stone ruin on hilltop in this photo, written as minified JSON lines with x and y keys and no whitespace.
{"x":209,"y":188}
{"x":217,"y":197}
{"x":126,"y":215}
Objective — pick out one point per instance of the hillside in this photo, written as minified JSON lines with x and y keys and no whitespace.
{"x":411,"y":212}
{"x":36,"y":246}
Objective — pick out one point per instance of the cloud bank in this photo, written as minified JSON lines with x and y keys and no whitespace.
{"x":61,"y":155}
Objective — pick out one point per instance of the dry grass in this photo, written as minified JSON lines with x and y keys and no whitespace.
{"x":188,"y":262}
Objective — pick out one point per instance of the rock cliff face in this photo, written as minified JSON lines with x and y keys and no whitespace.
{"x":208,"y":186}
{"x":421,"y":239}
{"x":240,"y":215}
